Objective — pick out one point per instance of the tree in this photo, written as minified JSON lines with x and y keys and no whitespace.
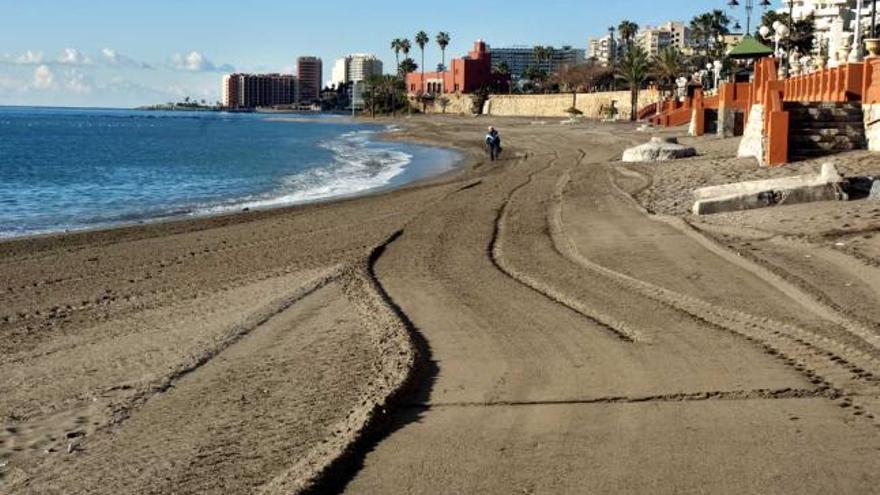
{"x":408,"y":66}
{"x":397,"y":46}
{"x":803,"y":34}
{"x":628,"y":31}
{"x":707,"y":28}
{"x":669,"y":65}
{"x":542,"y":54}
{"x":535,"y":75}
{"x":405,"y":47}
{"x":634,"y":69}
{"x":443,"y":40}
{"x":422,"y":40}
{"x":382,"y":93}
{"x":502,"y":71}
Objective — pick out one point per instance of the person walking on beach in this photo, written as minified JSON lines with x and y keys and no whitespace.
{"x":493,"y":143}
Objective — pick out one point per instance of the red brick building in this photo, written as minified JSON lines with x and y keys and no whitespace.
{"x":465,"y":75}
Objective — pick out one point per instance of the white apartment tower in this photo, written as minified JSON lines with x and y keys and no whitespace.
{"x":603,"y":50}
{"x":356,"y":68}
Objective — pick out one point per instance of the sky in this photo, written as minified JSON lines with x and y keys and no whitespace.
{"x":124,"y":53}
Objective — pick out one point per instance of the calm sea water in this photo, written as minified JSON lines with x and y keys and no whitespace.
{"x":68,"y":169}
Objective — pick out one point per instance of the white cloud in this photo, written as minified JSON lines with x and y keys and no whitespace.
{"x":30,"y":58}
{"x":44,"y":78}
{"x":113,"y":58}
{"x":196,"y":62}
{"x":77,"y":82}
{"x":72,"y":56}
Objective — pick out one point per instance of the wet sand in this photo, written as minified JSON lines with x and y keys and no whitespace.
{"x":521,"y":326}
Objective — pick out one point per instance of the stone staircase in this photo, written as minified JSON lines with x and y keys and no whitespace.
{"x":822,"y":129}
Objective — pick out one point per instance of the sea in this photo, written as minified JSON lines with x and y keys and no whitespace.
{"x":65,"y":169}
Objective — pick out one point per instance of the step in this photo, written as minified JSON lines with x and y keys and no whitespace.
{"x":830,"y":133}
{"x":827,"y":116}
{"x":826,"y":105}
{"x":820,"y":126}
{"x":823,"y":149}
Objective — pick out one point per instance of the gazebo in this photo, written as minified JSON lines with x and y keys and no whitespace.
{"x":750,"y":49}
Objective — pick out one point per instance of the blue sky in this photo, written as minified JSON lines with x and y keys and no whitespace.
{"x":130,"y":52}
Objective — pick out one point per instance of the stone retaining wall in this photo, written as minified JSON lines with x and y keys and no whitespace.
{"x":555,"y":105}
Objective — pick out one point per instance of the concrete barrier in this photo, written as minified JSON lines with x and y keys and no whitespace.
{"x":827,"y":186}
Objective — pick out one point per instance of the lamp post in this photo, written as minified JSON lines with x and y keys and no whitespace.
{"x":872,"y":43}
{"x":750,"y":7}
{"x":856,"y":54}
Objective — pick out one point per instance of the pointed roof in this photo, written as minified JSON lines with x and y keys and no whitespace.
{"x":749,"y":47}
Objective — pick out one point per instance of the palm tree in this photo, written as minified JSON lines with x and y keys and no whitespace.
{"x":397,"y":46}
{"x":628,"y":30}
{"x":668,"y":66}
{"x":502,"y":70}
{"x":422,"y":40}
{"x":443,"y":40}
{"x":708,"y":27}
{"x":634,"y":69}
{"x":405,"y":47}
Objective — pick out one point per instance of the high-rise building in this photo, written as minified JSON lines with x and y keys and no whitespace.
{"x":672,"y":34}
{"x":604,"y":50}
{"x":355,"y":68}
{"x":230,"y":91}
{"x":653,"y":39}
{"x":519,"y":58}
{"x":310,"y":75}
{"x":258,"y":90}
{"x":680,"y":33}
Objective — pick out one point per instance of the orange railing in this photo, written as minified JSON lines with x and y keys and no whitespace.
{"x":840,"y":84}
{"x":649,"y":111}
{"x":856,"y":82}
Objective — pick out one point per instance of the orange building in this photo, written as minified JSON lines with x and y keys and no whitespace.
{"x":465,"y":75}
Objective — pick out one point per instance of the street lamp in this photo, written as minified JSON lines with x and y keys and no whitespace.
{"x":749,"y":6}
{"x":717,"y":66}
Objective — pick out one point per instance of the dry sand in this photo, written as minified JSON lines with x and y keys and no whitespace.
{"x":523,"y":326}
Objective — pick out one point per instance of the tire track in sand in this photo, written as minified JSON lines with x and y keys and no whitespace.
{"x":841,"y":373}
{"x":495,"y":251}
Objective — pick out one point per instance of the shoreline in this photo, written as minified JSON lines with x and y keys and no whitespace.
{"x":460,"y":162}
{"x":304,"y":348}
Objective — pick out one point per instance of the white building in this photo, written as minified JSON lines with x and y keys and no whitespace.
{"x":672,"y":34}
{"x":835,"y":20}
{"x":355,"y":68}
{"x":603,"y":50}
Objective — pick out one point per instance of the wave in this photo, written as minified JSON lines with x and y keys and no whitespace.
{"x":359,"y":164}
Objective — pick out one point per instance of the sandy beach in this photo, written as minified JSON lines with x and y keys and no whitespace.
{"x":554,"y":322}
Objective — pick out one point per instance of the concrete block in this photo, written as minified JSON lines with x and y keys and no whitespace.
{"x":658,"y":150}
{"x":827,"y":186}
{"x":874,"y":195}
{"x":752,"y":144}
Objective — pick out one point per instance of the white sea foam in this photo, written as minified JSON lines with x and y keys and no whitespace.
{"x":358,"y":165}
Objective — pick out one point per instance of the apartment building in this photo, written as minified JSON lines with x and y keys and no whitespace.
{"x":258,"y":90}
{"x":519,"y":58}
{"x":310,"y":76}
{"x":355,"y":68}
{"x":653,"y":39}
{"x":603,"y":50}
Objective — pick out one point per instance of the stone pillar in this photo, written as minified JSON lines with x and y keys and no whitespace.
{"x":726,"y":122}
